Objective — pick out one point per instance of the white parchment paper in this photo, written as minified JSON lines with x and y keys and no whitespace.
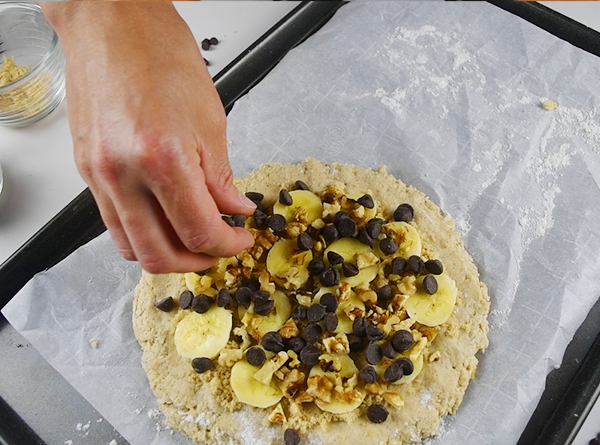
{"x":449,"y":97}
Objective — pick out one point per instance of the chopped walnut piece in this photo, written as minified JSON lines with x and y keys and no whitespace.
{"x":277,"y":415}
{"x":303,"y":397}
{"x":265,"y":373}
{"x":294,"y":363}
{"x":246,"y":259}
{"x":320,"y":387}
{"x":338,"y":344}
{"x":241,"y":332}
{"x":330,"y":362}
{"x":343,"y":292}
{"x":318,"y":224}
{"x":228,"y":357}
{"x":393,"y":399}
{"x":329,"y":210}
{"x":333,"y":193}
{"x":366,"y":259}
{"x":349,"y":395}
{"x":408,"y":285}
{"x":303,"y":299}
{"x":434,"y":357}
{"x":293,"y":229}
{"x":358,"y":213}
{"x":388,"y":326}
{"x":293,"y":382}
{"x":375,"y":388}
{"x":265,"y":282}
{"x":368,"y":296}
{"x":429,"y":332}
{"x":291,"y":278}
{"x":289,"y":329}
{"x":198,"y":284}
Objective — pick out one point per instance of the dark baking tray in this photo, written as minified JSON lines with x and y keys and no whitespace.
{"x":570,"y":390}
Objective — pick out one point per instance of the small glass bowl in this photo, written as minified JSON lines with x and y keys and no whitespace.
{"x":26,"y":36}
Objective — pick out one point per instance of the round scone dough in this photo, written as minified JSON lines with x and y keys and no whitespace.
{"x":204,"y":406}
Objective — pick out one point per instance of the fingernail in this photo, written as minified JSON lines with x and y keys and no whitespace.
{"x":246,"y":202}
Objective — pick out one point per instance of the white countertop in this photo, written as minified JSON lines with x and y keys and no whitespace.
{"x":40,"y":177}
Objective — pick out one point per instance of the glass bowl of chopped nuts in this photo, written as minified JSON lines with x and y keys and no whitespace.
{"x":32,"y":65}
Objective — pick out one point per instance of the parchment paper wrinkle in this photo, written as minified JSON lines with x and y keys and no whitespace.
{"x":449,"y":97}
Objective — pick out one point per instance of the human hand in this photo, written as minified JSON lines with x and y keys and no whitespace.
{"x":149,"y":133}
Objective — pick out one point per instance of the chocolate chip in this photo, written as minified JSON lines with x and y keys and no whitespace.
{"x":330,"y":233}
{"x":366,"y":201}
{"x":374,"y":227}
{"x":389,"y":351}
{"x":214,"y":41}
{"x":329,"y":301}
{"x":264,"y":307}
{"x":364,"y":237}
{"x":357,"y":344}
{"x":273,"y":342}
{"x":260,"y":219}
{"x":434,"y":266}
{"x":407,"y":365}
{"x":185,"y":299}
{"x":239,"y":220}
{"x":347,"y":227}
{"x":255,"y":196}
{"x":251,"y":283}
{"x":430,"y":284}
{"x":309,"y":355}
{"x":243,"y":295}
{"x":206,"y":62}
{"x":377,"y":413}
{"x":305,"y":242}
{"x":334,"y":258}
{"x":402,"y":340}
{"x":315,"y":313}
{"x":223,"y":297}
{"x":316,"y":266}
{"x":404,"y":212}
{"x":415,"y":264}
{"x":373,"y":332}
{"x":373,"y":353}
{"x":330,"y":322}
{"x":165,"y":305}
{"x":359,"y":326}
{"x":312,"y":333}
{"x":388,"y":246}
{"x":285,"y":198}
{"x":291,"y":437}
{"x":329,"y":277}
{"x":202,"y":364}
{"x":202,"y":303}
{"x":256,"y":356}
{"x":260,"y":296}
{"x":399,"y":265}
{"x":205,"y":44}
{"x":394,"y":372}
{"x":368,"y":374}
{"x":349,"y":269}
{"x":299,"y":185}
{"x":229,"y":220}
{"x":295,"y":344}
{"x":342,"y":214}
{"x":277,"y":222}
{"x":299,"y":313}
{"x":384,"y":294}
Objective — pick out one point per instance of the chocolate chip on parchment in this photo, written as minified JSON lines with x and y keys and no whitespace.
{"x":239,"y":220}
{"x":243,"y":295}
{"x":368,"y":374}
{"x":316,"y":266}
{"x":185,"y":299}
{"x":388,"y":246}
{"x":364,"y":237}
{"x":165,"y":305}
{"x":430,"y":284}
{"x":260,"y":219}
{"x":334,"y":258}
{"x":434,"y":266}
{"x":273,"y":342}
{"x":377,"y":413}
{"x":312,"y":333}
{"x":329,"y":301}
{"x":309,"y":355}
{"x":276,"y":223}
{"x":415,"y":264}
{"x":264,"y":307}
{"x":299,"y":313}
{"x":255,"y":196}
{"x":299,"y":185}
{"x":202,"y":303}
{"x":291,"y":437}
{"x":399,"y":265}
{"x":330,"y":233}
{"x":349,"y":269}
{"x":205,"y":44}
{"x":223,"y":297}
{"x":256,"y":356}
{"x":402,"y":340}
{"x":329,"y":277}
{"x":202,"y":364}
{"x":373,"y":332}
{"x":374,"y":227}
{"x":305,"y":241}
{"x":315,"y":313}
{"x":214,"y":41}
{"x":295,"y":344}
{"x":285,"y":198}
{"x":366,"y":201}
{"x":373,"y":353}
{"x":330,"y":321}
{"x":404,"y":212}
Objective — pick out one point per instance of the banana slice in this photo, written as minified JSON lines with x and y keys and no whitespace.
{"x":203,"y":335}
{"x":369,"y":213}
{"x":287,"y":264}
{"x":435,"y":309}
{"x":406,"y":237}
{"x":341,"y":402}
{"x":352,"y":250}
{"x":306,"y":206}
{"x":249,"y":390}
{"x":344,"y":321}
{"x":199,"y":284}
{"x":261,"y":324}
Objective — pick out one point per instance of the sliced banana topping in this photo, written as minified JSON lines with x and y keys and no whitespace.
{"x":433,"y":309}
{"x":288,"y":264}
{"x":405,"y":236}
{"x":353,"y":252}
{"x":306,"y":207}
{"x":203,"y":335}
{"x":251,"y":391}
